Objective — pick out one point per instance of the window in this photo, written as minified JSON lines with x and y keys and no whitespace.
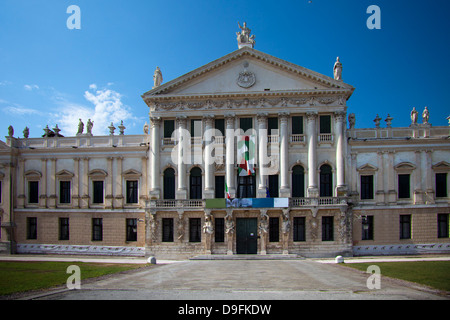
{"x":97,"y":192}
{"x":219,"y":124}
{"x":132,"y":191}
{"x":31,"y":228}
{"x":246,"y":124}
{"x":325,"y":124}
{"x":367,"y":228}
{"x":366,"y":187}
{"x":196,"y":183}
{"x":298,"y":182}
{"x":219,"y":232}
{"x":195,"y":230}
{"x":405,"y":226}
{"x":299,"y":229}
{"x":131,"y":229}
{"x":443,"y":225}
{"x":327,"y":229}
{"x":273,"y":186}
{"x":97,"y":229}
{"x":297,"y":125}
{"x":441,"y":185}
{"x":169,"y":184}
{"x":63,"y":228}
{"x":403,"y":186}
{"x":64,"y":192}
{"x":167,"y":229}
{"x":272,"y":124}
{"x":246,"y":187}
{"x":219,"y":187}
{"x":326,"y":181}
{"x":33,"y":191}
{"x":196,"y":127}
{"x":274,"y":229}
{"x":169,"y":127}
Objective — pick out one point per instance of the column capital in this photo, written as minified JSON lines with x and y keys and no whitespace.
{"x":284,"y":116}
{"x":208,"y":119}
{"x":155,"y":121}
{"x":229,"y":118}
{"x":312,"y":115}
{"x":340,"y":115}
{"x":262,"y":116}
{"x":181,"y":121}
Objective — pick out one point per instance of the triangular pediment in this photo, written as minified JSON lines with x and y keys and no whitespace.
{"x":367,"y":167}
{"x":247,"y":72}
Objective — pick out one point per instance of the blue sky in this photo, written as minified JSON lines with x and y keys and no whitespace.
{"x":52,"y":75}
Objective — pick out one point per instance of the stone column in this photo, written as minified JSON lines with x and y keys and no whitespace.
{"x":380,"y":179}
{"x":119,"y":198}
{"x":76,"y":183}
{"x":340,"y":163}
{"x":313,"y":190}
{"x":229,"y":156}
{"x":262,"y":153}
{"x":285,"y":191}
{"x":154,"y":158}
{"x":183,"y":144}
{"x":52,"y":197}
{"x":418,"y":193}
{"x":143,"y":190}
{"x":21,"y":198}
{"x":109,"y":184}
{"x":43,"y":185}
{"x":389,"y":167}
{"x":84,"y":184}
{"x":429,"y":191}
{"x":208,"y":158}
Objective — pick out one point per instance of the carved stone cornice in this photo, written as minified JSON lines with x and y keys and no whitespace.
{"x":253,"y":100}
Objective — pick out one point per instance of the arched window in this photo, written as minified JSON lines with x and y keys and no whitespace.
{"x":195,"y":183}
{"x":326,"y":181}
{"x":169,"y":184}
{"x":298,"y":182}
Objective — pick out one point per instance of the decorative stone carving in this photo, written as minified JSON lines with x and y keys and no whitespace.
{"x":145,"y":128}
{"x":246,"y":79}
{"x":389,"y":121}
{"x":121,"y":128}
{"x":244,"y":38}
{"x":26,"y":132}
{"x":157,"y":78}
{"x":351,"y":120}
{"x":10,"y":131}
{"x":111,"y":129}
{"x":377,"y":121}
{"x":337,"y":70}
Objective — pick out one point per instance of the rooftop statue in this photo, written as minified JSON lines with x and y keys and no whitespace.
{"x":244,"y":38}
{"x":414,"y":115}
{"x":337,"y":70}
{"x":157,"y":78}
{"x":425,"y":116}
{"x":80,"y":127}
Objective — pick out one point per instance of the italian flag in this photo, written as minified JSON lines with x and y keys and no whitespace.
{"x":246,"y":155}
{"x":226,"y":190}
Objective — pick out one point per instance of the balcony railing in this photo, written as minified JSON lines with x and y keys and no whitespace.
{"x":325,"y":137}
{"x":200,"y":203}
{"x":297,"y":138}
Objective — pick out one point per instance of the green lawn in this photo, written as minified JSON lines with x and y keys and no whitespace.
{"x":24,"y":276}
{"x":435,"y":274}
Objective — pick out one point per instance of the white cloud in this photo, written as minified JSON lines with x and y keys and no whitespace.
{"x":93,"y":86}
{"x":107,"y":107}
{"x":20,"y":111}
{"x":30,"y":87}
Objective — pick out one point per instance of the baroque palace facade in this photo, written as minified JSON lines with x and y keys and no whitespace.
{"x":248,"y":154}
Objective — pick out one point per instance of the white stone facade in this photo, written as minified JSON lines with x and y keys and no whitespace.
{"x":342,"y":184}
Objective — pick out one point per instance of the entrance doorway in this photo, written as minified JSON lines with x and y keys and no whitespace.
{"x":246,"y":235}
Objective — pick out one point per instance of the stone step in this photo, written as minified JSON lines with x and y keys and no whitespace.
{"x":248,"y":257}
